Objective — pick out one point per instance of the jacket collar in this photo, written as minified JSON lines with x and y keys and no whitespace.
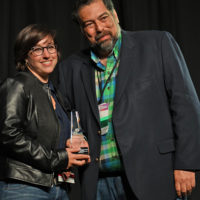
{"x":125,"y":66}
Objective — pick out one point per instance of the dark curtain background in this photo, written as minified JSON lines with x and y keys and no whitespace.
{"x":179,"y":17}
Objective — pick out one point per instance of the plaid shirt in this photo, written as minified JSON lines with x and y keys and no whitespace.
{"x":109,"y":156}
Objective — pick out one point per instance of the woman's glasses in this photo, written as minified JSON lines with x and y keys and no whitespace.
{"x":38,"y":51}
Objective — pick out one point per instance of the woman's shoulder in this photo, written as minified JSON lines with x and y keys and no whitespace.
{"x":20,"y":82}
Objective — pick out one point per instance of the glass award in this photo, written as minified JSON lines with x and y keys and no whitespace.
{"x":77,"y":137}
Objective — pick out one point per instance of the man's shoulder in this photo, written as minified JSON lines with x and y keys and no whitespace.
{"x":76,"y":61}
{"x":144,"y":35}
{"x":81,"y":56}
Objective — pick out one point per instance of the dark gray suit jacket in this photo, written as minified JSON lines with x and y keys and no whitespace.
{"x":156,"y":115}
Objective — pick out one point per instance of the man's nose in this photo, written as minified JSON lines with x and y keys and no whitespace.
{"x":99,"y":26}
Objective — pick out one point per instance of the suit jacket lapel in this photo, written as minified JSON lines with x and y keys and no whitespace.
{"x":126,"y":63}
{"x":88,"y":77}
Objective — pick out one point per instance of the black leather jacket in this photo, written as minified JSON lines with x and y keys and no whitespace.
{"x":29,"y":132}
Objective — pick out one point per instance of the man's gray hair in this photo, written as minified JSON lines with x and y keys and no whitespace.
{"x":80,"y":3}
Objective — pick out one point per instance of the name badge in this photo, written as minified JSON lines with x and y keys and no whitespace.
{"x":103,"y":112}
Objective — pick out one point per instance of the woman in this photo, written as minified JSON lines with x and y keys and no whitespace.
{"x":34,"y":127}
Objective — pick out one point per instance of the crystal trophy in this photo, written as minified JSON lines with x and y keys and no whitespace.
{"x":77,"y":137}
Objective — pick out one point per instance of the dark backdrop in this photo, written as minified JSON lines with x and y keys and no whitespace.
{"x":179,"y":17}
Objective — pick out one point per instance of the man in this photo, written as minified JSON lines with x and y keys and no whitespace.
{"x":138,"y":107}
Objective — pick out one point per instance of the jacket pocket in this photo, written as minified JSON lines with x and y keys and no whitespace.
{"x":166,"y":146}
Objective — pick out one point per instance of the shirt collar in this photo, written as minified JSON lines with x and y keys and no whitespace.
{"x":115,"y":52}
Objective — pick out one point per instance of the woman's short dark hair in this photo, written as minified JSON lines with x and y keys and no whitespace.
{"x":26,"y":39}
{"x":80,"y":3}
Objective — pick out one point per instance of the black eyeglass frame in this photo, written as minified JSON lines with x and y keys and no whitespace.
{"x":52,"y":46}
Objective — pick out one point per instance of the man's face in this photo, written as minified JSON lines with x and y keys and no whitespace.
{"x":99,"y":25}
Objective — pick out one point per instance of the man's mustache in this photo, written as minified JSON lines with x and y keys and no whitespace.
{"x":100,"y":35}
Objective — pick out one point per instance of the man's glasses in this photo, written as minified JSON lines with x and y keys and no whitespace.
{"x":38,"y":51}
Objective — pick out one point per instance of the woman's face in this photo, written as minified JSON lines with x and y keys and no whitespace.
{"x":42,"y":61}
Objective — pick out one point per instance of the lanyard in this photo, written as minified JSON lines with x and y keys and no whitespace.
{"x":107,"y":81}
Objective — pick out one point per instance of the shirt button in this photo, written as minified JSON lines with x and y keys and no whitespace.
{"x":108,"y":88}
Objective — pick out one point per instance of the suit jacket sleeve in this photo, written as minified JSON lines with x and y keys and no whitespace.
{"x":184,"y":105}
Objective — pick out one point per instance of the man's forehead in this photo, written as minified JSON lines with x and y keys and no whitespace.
{"x":93,"y":10}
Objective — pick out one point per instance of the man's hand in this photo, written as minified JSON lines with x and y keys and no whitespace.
{"x":76,"y":159}
{"x":184,"y":182}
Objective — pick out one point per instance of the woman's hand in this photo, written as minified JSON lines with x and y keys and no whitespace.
{"x":75,"y":159}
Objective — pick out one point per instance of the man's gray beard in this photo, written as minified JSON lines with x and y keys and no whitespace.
{"x":104,"y":47}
